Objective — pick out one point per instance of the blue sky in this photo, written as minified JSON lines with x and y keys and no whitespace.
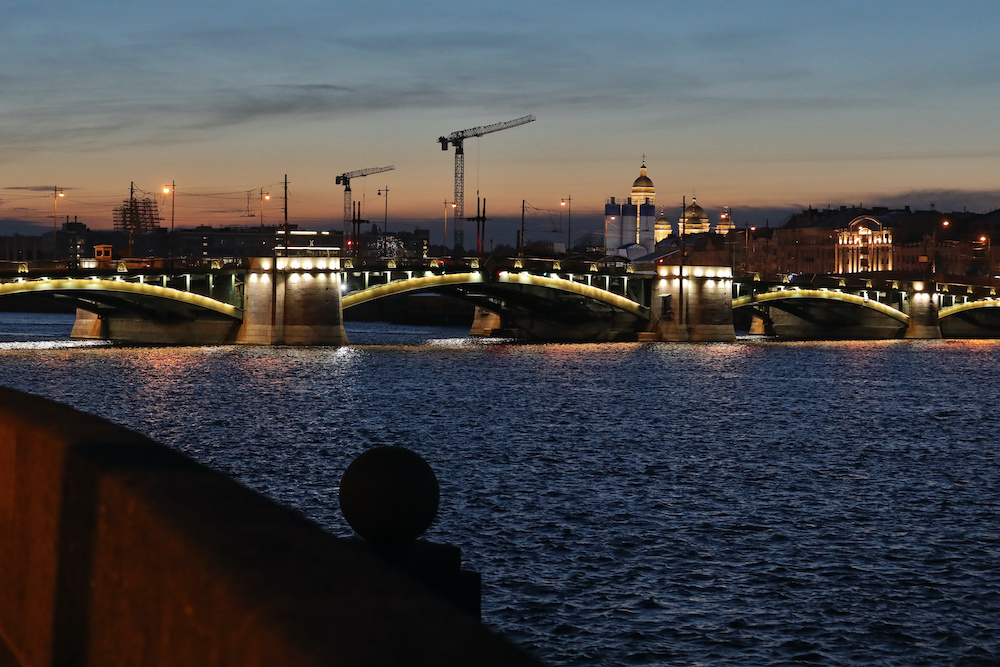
{"x":765,"y":107}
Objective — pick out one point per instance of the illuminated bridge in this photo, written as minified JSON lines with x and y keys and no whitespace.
{"x":301,"y":300}
{"x":525,"y":299}
{"x":859,"y":307}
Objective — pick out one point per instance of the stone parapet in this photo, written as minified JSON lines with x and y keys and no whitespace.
{"x":116,"y":550}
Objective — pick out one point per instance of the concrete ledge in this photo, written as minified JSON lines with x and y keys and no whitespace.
{"x":115,"y":550}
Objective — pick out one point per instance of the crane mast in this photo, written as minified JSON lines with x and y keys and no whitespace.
{"x":456,"y":139}
{"x":345,"y":180}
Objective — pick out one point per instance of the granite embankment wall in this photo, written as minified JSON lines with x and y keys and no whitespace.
{"x":116,"y":550}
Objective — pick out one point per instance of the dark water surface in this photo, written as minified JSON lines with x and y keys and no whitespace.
{"x":646,"y":504}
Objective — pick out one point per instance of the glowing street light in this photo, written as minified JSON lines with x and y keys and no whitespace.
{"x":453,"y":205}
{"x":263,"y":196}
{"x":56,"y":195}
{"x":568,"y":203}
{"x":172,"y":191}
{"x":385,"y":219}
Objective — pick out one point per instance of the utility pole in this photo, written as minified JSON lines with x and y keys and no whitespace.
{"x":520,"y":245}
{"x":287,"y":234}
{"x":680,"y":287}
{"x":480,"y":221}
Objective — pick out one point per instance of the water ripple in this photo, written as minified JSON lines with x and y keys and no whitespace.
{"x":754,"y":503}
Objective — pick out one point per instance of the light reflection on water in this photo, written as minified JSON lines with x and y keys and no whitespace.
{"x":748,"y":503}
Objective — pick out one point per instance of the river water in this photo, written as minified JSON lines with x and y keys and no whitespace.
{"x":755,"y":503}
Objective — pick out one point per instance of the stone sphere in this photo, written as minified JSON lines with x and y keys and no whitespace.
{"x":389,"y":495}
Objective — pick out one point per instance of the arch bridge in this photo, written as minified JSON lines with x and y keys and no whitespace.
{"x":135,"y":301}
{"x":300,"y":300}
{"x":548,"y":300}
{"x":863,"y":307}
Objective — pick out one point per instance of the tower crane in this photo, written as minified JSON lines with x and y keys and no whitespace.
{"x":456,"y":139}
{"x":345,"y":179}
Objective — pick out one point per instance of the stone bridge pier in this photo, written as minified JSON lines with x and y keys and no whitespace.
{"x":692,"y":303}
{"x":292,"y":301}
{"x":923,"y":312}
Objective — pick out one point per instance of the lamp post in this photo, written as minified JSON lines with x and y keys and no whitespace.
{"x":985,"y":240}
{"x":606,"y":220}
{"x":746,"y":248}
{"x":934,"y":259}
{"x":263,"y":196}
{"x":170,"y":190}
{"x":453,"y":205}
{"x":568,"y":203}
{"x":56,"y":195}
{"x":385,"y":219}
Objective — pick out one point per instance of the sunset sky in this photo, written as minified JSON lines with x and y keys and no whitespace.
{"x":767,"y":107}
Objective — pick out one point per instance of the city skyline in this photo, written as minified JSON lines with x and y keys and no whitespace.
{"x":768,"y":108}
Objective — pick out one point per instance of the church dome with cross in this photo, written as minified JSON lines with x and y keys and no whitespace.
{"x":643,"y":191}
{"x":695,"y":220}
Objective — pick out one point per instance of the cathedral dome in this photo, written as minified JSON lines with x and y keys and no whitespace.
{"x":694,"y":212}
{"x":694,"y":220}
{"x":643,"y":183}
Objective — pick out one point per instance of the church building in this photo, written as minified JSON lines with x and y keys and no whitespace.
{"x":631,"y":223}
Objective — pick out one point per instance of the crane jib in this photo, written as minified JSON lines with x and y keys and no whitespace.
{"x":483,"y":129}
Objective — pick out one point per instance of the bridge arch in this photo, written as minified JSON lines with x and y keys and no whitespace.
{"x":436,"y":282}
{"x":148,"y":301}
{"x":821,"y":295}
{"x":529,"y":306}
{"x":960,"y":308}
{"x":973,"y":319}
{"x":818,"y":313}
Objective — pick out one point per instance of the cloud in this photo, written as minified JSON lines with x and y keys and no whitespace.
{"x":12,"y":226}
{"x":977,"y":201}
{"x":36,"y":188}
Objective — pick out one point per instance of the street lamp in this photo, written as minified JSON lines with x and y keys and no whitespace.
{"x":606,"y":220}
{"x":56,"y":195}
{"x":453,"y":205}
{"x":568,"y":203}
{"x":170,"y":190}
{"x":385,"y":220}
{"x":263,"y":196}
{"x":746,"y":248}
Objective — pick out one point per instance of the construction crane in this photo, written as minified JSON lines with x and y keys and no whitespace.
{"x":456,"y":139}
{"x":345,"y":179}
